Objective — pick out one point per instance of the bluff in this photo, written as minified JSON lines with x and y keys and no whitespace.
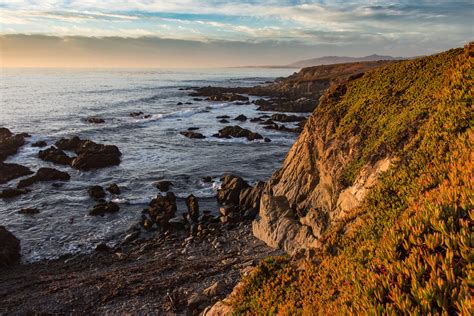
{"x":378,"y":193}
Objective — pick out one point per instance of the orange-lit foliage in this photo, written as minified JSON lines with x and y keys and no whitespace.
{"x":408,"y":248}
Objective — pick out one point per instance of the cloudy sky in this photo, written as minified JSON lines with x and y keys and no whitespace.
{"x":213,"y":33}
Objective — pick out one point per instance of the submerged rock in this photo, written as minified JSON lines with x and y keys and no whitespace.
{"x":28,"y":211}
{"x":95,"y":120}
{"x":11,"y":193}
{"x":44,"y":174}
{"x":96,"y":192}
{"x":40,"y":143}
{"x":191,"y":134}
{"x":9,"y":248}
{"x":10,"y":171}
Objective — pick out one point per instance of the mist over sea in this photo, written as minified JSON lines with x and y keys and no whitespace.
{"x":51,"y":104}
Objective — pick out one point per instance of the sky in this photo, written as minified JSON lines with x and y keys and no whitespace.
{"x":216,"y":33}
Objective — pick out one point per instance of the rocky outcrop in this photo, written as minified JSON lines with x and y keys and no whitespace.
{"x":102,"y":208}
{"x":162,"y":209}
{"x":10,"y":143}
{"x":55,"y":155}
{"x":91,"y":155}
{"x":191,"y":134}
{"x":237,"y":131}
{"x":113,"y":188}
{"x":44,"y":174}
{"x":10,"y":171}
{"x":193,"y":208}
{"x":11,"y":193}
{"x":306,"y":196}
{"x":9,"y":248}
{"x":163,"y":185}
{"x":96,"y":192}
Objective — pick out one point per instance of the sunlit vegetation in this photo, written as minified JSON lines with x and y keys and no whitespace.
{"x":408,"y":247}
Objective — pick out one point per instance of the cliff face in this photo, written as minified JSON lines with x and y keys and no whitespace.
{"x":355,"y":134}
{"x":381,"y":185}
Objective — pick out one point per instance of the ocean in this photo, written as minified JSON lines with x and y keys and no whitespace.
{"x":51,"y":104}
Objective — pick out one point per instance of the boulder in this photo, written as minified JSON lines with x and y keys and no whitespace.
{"x":193,"y":128}
{"x":44,"y":174}
{"x":193,"y":208}
{"x":278,"y":226}
{"x":55,"y":155}
{"x":237,"y":131}
{"x":163,"y":208}
{"x":103,"y":208}
{"x":114,"y":189}
{"x":10,"y":171}
{"x":222,"y":117}
{"x":96,"y":192}
{"x":28,"y":211}
{"x":206,"y":179}
{"x":217,"y":288}
{"x":249,"y":198}
{"x":136,"y":114}
{"x":69,"y":143}
{"x":93,"y":156}
{"x":9,"y":143}
{"x":230,"y":190}
{"x":163,"y":185}
{"x":241,"y":118}
{"x":95,"y":120}
{"x":11,"y":193}
{"x":40,"y":143}
{"x":224,"y":121}
{"x":9,"y":248}
{"x":191,"y":134}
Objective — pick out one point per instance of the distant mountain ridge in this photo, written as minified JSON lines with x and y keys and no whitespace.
{"x":328,"y":60}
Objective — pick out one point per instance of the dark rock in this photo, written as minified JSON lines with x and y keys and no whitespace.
{"x":40,"y":143}
{"x":10,"y":171}
{"x":193,"y":207}
{"x":55,"y":155}
{"x":69,"y":144}
{"x":197,"y":99}
{"x":163,"y":185}
{"x":280,"y":117}
{"x":103,"y":208}
{"x":206,"y":179}
{"x":114,"y":189}
{"x":267,"y":140}
{"x":237,"y":131}
{"x":136,"y":114}
{"x":190,"y":134}
{"x":95,"y":120}
{"x":193,"y":128}
{"x":255,"y":119}
{"x":9,"y":143}
{"x":102,"y":247}
{"x":29,"y":211}
{"x":241,"y":118}
{"x":179,"y":103}
{"x":230,"y":189}
{"x":162,"y":208}
{"x":96,"y":192}
{"x":222,"y":117}
{"x":188,"y":103}
{"x":9,"y":248}
{"x":224,"y":121}
{"x":11,"y":193}
{"x":44,"y":174}
{"x":93,"y":156}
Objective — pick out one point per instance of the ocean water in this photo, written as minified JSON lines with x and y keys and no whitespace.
{"x":53,"y":103}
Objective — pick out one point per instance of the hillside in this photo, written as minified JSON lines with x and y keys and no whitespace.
{"x":377,"y":194}
{"x":328,"y":60}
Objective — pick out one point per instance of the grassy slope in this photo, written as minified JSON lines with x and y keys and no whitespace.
{"x":409,"y":246}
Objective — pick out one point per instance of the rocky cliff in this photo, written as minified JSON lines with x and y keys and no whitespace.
{"x":380,"y":185}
